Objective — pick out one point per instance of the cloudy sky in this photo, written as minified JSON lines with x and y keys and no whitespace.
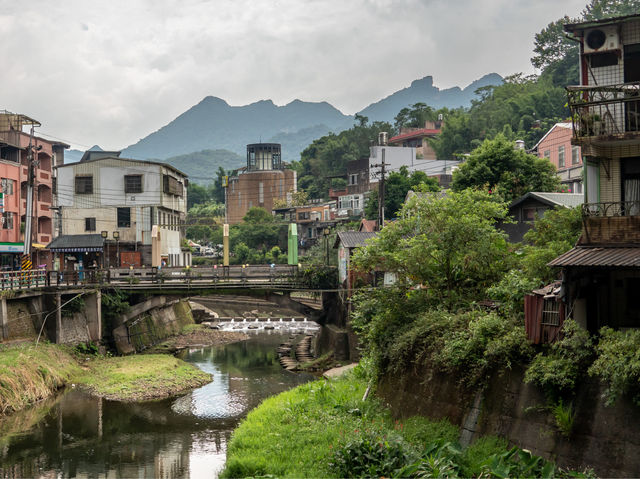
{"x":111,"y":72}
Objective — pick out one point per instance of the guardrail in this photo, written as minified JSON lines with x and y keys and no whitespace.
{"x":283,"y":276}
{"x":612,"y":208}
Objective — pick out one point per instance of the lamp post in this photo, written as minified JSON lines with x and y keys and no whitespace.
{"x":105,"y":254}
{"x":116,"y":236}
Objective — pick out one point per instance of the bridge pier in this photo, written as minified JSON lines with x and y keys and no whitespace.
{"x":93,"y":311}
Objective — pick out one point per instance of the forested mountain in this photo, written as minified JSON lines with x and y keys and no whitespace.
{"x":423,"y":91}
{"x":201,"y":167}
{"x":213,"y":124}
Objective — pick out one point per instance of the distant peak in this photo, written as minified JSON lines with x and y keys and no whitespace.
{"x":426,"y":82}
{"x":213,"y":101}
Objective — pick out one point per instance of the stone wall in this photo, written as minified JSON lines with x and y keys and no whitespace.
{"x":152,"y":324}
{"x":604,"y":437}
{"x":20,"y":320}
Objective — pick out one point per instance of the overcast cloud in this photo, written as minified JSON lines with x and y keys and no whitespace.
{"x":111,"y":72}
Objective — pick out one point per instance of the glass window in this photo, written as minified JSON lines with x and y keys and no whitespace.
{"x":575,"y":155}
{"x":561,"y":156}
{"x":7,"y":220}
{"x":551,"y":312}
{"x":7,"y":186}
{"x":84,"y":185}
{"x":124,"y":217}
{"x":89,"y":224}
{"x":133,"y":183}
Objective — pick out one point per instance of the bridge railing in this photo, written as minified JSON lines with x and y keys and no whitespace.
{"x":277,"y":275}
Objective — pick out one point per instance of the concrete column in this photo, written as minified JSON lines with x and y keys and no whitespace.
{"x":4,"y":319}
{"x":93,"y":311}
{"x":58,"y":334}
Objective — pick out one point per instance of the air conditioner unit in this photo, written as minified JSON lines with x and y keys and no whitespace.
{"x":601,"y":39}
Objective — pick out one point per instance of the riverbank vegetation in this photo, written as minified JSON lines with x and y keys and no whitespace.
{"x":30,"y":374}
{"x":326,"y":429}
{"x":140,"y":377}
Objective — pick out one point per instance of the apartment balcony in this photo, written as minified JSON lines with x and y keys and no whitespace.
{"x":603,"y":115}
{"x":611,"y":224}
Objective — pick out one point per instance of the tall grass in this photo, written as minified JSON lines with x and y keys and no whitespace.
{"x":29,"y":374}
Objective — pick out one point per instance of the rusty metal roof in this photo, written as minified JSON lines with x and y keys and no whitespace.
{"x":582,"y":256}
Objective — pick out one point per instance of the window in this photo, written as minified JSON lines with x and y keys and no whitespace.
{"x":551,"y":312}
{"x":561,"y":156}
{"x":303,"y":215}
{"x":124,"y":217}
{"x":547,"y":153}
{"x":133,"y":183}
{"x":353,"y":179}
{"x":84,"y":185}
{"x":7,"y":186}
{"x":89,"y":224}
{"x":7,"y":220}
{"x":528,"y":214}
{"x":172,"y":186}
{"x":575,"y":155}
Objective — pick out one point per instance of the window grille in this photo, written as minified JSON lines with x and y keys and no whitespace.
{"x":551,"y":312}
{"x":133,"y":183}
{"x":89,"y":224}
{"x":84,"y":185}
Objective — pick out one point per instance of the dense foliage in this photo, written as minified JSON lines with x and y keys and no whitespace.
{"x":508,"y":171}
{"x":327,"y":157}
{"x":397,"y":185}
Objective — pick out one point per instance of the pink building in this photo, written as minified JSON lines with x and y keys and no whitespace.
{"x":14,"y":177}
{"x":556,"y":146}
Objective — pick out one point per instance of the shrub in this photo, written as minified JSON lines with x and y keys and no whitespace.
{"x":370,"y":455}
{"x":558,"y":369}
{"x":618,"y":363}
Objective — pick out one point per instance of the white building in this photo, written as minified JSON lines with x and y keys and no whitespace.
{"x":137,"y":207}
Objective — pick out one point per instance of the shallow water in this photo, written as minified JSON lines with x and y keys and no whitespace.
{"x":76,"y":435}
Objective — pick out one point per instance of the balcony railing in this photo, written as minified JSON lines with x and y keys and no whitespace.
{"x":615,"y":208}
{"x":612,"y":223}
{"x":605,"y":111}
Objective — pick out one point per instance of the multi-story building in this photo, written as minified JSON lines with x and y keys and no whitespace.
{"x":556,"y":146}
{"x":263,"y":180}
{"x":418,"y":138}
{"x":121,"y":212}
{"x":313,"y":220}
{"x":601,"y":275}
{"x":15,"y":152}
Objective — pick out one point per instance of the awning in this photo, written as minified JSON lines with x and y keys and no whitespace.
{"x":581,"y":256}
{"x":77,"y":244}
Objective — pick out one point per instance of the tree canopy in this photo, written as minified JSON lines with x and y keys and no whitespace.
{"x":505,"y":170}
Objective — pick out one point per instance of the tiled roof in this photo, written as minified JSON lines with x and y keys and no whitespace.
{"x":353,"y":239}
{"x":599,"y":257}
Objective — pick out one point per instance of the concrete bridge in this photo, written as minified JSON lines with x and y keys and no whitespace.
{"x":43,"y":294}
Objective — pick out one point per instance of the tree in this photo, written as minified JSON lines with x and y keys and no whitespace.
{"x":397,"y":186}
{"x":200,"y":233}
{"x":505,"y":170}
{"x":446,"y":244}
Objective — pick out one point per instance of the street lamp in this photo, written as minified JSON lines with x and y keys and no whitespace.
{"x":116,"y":236}
{"x":105,"y":253}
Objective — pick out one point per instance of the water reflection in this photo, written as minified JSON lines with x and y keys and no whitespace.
{"x":75,"y":435}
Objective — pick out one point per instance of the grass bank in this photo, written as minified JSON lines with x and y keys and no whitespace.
{"x":324,"y":429}
{"x":29,"y":374}
{"x":140,"y":377}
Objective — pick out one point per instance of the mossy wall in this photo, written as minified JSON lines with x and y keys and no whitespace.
{"x":603,"y":437}
{"x":153,"y":326}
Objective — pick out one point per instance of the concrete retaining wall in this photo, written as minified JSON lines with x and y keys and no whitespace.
{"x":604,"y":438}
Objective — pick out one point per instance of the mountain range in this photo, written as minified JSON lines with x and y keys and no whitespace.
{"x":212,"y":126}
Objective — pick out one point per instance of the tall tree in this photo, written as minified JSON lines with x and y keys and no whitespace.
{"x":498,"y":165}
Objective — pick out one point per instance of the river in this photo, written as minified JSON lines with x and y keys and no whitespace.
{"x":75,"y":435}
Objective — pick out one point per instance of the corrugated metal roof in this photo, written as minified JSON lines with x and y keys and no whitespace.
{"x":415,"y":134}
{"x":627,"y":257}
{"x":77,"y":243}
{"x":353,"y":239}
{"x":569,"y":200}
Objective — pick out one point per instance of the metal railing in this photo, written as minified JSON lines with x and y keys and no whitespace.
{"x":613,"y":208}
{"x":603,"y":111}
{"x":256,"y":276}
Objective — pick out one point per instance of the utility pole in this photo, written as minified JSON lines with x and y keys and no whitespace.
{"x":381,"y":190}
{"x":28,"y":222}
